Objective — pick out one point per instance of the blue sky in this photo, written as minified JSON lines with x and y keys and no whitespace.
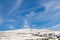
{"x":18,"y":14}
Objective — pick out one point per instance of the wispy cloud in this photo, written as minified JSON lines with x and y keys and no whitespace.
{"x":53,"y":11}
{"x":26,"y":25}
{"x":10,"y":26}
{"x":50,"y":15}
{"x":1,"y":20}
{"x":55,"y":27}
{"x":16,"y":6}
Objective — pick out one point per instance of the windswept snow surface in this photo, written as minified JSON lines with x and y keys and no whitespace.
{"x":24,"y":34}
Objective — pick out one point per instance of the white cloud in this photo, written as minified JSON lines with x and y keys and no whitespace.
{"x":16,"y":6}
{"x":10,"y":26}
{"x":26,"y":24}
{"x":1,"y":20}
{"x":10,"y":20}
{"x":30,"y":15}
{"x":52,"y":6}
{"x":55,"y":27}
{"x":51,"y":14}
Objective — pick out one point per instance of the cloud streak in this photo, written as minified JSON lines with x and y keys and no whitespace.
{"x":55,"y":27}
{"x":50,"y":15}
{"x":16,"y":6}
{"x":48,"y":18}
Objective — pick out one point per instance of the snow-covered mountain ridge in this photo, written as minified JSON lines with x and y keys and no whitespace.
{"x":25,"y":34}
